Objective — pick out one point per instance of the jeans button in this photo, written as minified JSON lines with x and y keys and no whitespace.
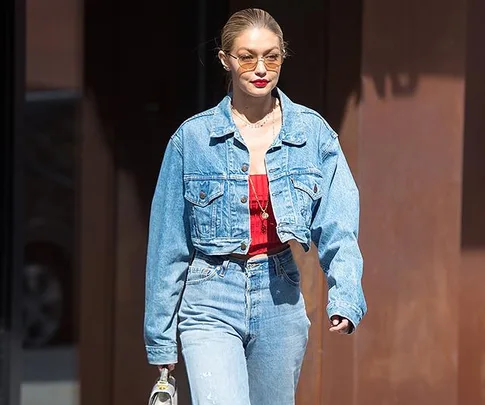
{"x":244,"y":199}
{"x":243,"y":246}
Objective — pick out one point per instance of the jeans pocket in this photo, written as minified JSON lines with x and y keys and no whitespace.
{"x":198,"y":275}
{"x":290,"y":273}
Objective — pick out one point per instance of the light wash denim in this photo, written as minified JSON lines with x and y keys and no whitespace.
{"x":243,"y":329}
{"x":201,"y":204}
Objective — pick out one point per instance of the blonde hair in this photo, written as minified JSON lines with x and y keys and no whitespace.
{"x":249,"y":18}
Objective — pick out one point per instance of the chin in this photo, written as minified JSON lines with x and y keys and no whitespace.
{"x":250,"y":90}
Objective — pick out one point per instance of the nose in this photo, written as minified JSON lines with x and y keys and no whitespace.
{"x":260,"y":69}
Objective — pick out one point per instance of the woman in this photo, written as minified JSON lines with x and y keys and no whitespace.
{"x":238,"y":185}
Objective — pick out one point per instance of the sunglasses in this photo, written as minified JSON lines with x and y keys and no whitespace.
{"x":248,"y":61}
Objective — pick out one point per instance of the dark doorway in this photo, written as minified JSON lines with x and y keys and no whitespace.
{"x":11,"y":89}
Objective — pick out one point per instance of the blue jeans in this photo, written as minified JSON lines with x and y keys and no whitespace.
{"x":243,"y":329}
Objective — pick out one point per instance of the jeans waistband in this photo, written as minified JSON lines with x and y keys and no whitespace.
{"x":278,"y":258}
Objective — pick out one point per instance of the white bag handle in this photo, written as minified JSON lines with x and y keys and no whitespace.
{"x":164,"y":392}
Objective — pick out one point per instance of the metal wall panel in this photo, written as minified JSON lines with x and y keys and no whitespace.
{"x":471,"y":317}
{"x":411,"y":120}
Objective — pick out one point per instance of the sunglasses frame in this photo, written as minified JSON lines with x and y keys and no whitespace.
{"x":262,"y":58}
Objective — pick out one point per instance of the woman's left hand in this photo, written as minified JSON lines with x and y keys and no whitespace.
{"x":340,"y":324}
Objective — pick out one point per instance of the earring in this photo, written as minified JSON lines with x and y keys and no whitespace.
{"x":226,"y":67}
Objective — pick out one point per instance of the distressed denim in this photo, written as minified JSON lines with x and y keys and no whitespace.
{"x":243,"y":329}
{"x":200,"y":204}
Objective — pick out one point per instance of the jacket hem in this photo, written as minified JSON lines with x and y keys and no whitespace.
{"x":353,"y":314}
{"x":162,"y":355}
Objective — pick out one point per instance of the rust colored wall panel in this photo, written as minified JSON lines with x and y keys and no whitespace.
{"x":97,"y":216}
{"x":96,"y":259}
{"x":410,"y":138}
{"x":54,"y":44}
{"x":474,"y":149}
{"x":343,"y":56}
{"x":471,"y":324}
{"x":313,"y":286}
{"x":471,"y":321}
{"x":150,"y":90}
{"x":410,"y":236}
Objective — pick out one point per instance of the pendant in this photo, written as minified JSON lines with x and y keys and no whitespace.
{"x":264,"y":215}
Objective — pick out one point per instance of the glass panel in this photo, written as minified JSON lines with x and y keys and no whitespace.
{"x":51,"y":124}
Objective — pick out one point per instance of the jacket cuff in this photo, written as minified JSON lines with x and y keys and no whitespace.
{"x":353,"y":314}
{"x":158,"y":355}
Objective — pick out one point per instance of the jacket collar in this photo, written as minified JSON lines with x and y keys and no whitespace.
{"x":292,"y":130}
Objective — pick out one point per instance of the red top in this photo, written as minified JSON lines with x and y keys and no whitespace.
{"x":263,"y":231}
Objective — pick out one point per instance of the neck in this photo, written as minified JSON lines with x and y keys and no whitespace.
{"x":253,"y":108}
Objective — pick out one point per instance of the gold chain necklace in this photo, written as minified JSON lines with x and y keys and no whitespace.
{"x":249,"y":124}
{"x":264,"y":214}
{"x":257,"y":124}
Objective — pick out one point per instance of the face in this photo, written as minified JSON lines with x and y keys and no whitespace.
{"x":254,"y":44}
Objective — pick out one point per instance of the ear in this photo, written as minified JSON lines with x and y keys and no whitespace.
{"x":223,"y":58}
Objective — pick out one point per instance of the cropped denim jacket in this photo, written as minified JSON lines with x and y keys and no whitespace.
{"x":200,"y":202}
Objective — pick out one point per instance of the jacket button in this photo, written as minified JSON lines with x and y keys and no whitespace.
{"x":315,"y":188}
{"x":244,"y":199}
{"x":202,"y":195}
{"x":243,"y":246}
{"x":245,"y":167}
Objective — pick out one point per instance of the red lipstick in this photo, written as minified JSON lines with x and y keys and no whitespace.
{"x":260,"y":83}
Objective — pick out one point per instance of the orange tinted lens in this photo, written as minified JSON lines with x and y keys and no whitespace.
{"x":272,"y":65}
{"x":248,"y":65}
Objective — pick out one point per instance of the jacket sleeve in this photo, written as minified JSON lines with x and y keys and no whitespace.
{"x":168,"y":254}
{"x":334,"y":231}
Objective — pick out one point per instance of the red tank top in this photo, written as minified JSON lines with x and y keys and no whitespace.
{"x":263,"y":230}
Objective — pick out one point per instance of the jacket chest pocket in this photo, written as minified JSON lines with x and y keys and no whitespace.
{"x":308,"y":189}
{"x":205,"y":197}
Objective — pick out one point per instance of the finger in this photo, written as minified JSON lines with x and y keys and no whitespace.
{"x":170,"y":367}
{"x":342,"y":327}
{"x":335,"y":320}
{"x":343,"y":331}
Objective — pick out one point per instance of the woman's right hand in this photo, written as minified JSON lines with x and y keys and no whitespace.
{"x":170,"y":367}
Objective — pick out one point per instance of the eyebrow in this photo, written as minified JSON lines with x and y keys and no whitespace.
{"x":253,"y":51}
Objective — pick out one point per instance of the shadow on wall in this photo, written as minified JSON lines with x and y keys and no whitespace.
{"x":396,"y":73}
{"x":142,"y":69}
{"x":473,"y":194}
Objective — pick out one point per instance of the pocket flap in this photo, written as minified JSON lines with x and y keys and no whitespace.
{"x":311,"y":185}
{"x":202,"y":192}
